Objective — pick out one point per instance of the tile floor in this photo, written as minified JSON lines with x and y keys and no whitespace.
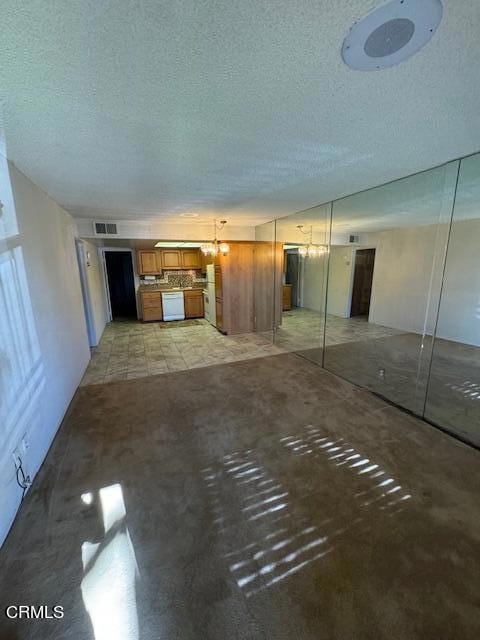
{"x":133,"y":349}
{"x":303,"y":329}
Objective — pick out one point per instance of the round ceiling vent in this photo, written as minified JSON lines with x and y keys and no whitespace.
{"x":391,"y":33}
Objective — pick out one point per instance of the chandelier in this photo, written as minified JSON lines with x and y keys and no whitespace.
{"x":215,"y":247}
{"x":310,"y":250}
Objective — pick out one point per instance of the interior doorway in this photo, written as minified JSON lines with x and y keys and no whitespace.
{"x":362,"y":282}
{"x":121,"y":284}
{"x":291,"y":274}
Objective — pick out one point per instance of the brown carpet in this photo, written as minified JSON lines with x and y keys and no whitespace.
{"x":264,"y":499}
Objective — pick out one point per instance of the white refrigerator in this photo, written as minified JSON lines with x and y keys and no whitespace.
{"x":209,"y":296}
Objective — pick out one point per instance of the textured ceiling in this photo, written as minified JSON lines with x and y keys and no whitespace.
{"x":241,"y":110}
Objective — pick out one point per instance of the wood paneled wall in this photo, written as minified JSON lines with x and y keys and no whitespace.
{"x":251,"y":286}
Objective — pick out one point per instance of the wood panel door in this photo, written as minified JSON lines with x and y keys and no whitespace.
{"x":147,"y":263}
{"x":152,"y":306}
{"x":191,"y":259}
{"x":171,"y":259}
{"x":362,"y":282}
{"x":287,"y":297}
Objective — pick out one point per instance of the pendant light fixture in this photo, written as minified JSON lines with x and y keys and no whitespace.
{"x":311,"y":250}
{"x":215,"y":247}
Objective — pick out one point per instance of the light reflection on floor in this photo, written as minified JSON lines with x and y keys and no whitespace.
{"x":249,"y":501}
{"x":467,"y":388}
{"x":110,"y":570}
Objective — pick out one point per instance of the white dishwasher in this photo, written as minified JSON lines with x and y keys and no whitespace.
{"x":173,"y":307}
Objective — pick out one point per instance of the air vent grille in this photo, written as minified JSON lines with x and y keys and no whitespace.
{"x":105,"y":228}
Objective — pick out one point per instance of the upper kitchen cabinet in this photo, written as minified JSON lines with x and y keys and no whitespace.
{"x":153,"y":261}
{"x":204,"y":260}
{"x":172,"y":259}
{"x":149,"y":263}
{"x":191,"y":259}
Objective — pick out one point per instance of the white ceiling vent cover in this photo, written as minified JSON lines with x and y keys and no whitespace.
{"x":105,"y":228}
{"x":392,"y":33}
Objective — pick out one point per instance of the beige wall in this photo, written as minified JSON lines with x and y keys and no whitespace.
{"x":43,"y":338}
{"x":161,"y":230}
{"x":340,"y":281}
{"x":459,"y":317}
{"x":407,"y":277}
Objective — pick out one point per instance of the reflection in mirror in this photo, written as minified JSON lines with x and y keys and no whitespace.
{"x":302,"y":240}
{"x":453,"y":399}
{"x":387,"y":254}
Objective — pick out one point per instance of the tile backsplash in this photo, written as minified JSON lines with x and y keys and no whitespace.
{"x":176,"y":279}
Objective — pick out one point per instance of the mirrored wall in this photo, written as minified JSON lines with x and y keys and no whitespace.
{"x":453,"y":398}
{"x":387,"y":254}
{"x":383,"y":288}
{"x":265,"y":262}
{"x":302,"y":241}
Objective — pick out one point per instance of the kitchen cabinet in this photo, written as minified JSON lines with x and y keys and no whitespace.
{"x":287,"y":297}
{"x":193,"y":301}
{"x":204,"y":260}
{"x":171,"y":258}
{"x":191,"y":259}
{"x":151,"y":305}
{"x":152,"y":261}
{"x":148,"y":262}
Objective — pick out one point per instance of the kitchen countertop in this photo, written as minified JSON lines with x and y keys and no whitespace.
{"x":153,"y":288}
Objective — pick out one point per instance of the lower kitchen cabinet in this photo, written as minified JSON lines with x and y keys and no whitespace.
{"x":151,"y":306}
{"x":149,"y":262}
{"x":193,"y":301}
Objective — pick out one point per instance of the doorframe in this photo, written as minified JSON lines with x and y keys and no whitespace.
{"x":136,"y":279}
{"x":87,"y":302}
{"x":352,"y":279}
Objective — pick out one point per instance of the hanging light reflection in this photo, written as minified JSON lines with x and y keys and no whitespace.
{"x":310,"y":250}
